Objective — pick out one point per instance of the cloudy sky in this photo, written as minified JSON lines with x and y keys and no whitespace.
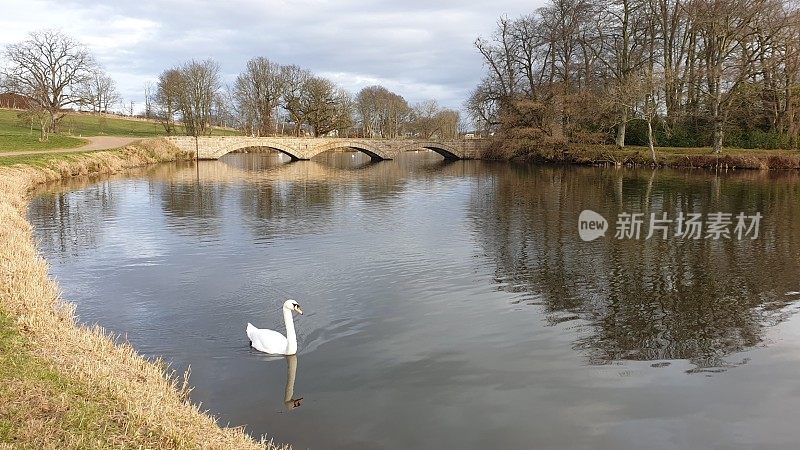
{"x":417,"y":48}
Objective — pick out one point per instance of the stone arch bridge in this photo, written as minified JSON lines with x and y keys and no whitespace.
{"x":301,"y":148}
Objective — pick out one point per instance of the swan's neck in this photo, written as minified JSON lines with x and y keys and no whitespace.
{"x":291,"y":348}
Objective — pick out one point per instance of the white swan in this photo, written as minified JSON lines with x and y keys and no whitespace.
{"x":272,"y":342}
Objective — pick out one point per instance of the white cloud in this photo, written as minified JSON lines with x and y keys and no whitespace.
{"x":419,"y":49}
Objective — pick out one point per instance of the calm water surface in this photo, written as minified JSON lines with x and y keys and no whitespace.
{"x":448,"y":304}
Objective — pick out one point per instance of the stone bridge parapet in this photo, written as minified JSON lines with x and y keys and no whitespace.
{"x":214,"y":147}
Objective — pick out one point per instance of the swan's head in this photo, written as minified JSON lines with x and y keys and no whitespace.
{"x":292,"y":305}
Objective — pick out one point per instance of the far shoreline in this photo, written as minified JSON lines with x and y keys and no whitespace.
{"x":601,"y":155}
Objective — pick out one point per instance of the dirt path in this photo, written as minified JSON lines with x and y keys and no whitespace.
{"x":96,"y":143}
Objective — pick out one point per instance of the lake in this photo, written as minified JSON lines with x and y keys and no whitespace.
{"x":448,"y":304}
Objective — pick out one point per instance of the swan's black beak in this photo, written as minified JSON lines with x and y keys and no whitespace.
{"x":297,"y":308}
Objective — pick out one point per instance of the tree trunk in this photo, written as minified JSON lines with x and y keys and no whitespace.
{"x":715,"y":111}
{"x":650,"y":139}
{"x":621,"y":129}
{"x":43,"y":126}
{"x":717,"y":136}
{"x":53,"y":125}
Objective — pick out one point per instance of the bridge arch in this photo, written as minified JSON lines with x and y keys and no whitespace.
{"x":447,"y":151}
{"x":376,"y":152}
{"x":288,"y":150}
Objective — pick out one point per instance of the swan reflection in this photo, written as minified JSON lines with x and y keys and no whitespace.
{"x":291,"y":371}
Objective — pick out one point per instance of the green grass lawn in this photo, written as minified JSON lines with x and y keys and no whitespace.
{"x":18,"y":142}
{"x":17,"y":136}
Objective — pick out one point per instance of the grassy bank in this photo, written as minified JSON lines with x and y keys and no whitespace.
{"x":43,"y":160}
{"x":63,"y":385}
{"x":640,"y":156}
{"x":17,"y":136}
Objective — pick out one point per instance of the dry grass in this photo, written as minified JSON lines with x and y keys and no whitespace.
{"x":63,"y":385}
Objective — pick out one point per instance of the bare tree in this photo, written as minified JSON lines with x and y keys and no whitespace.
{"x":49,"y":68}
{"x":533,"y":63}
{"x":577,"y":70}
{"x":257,"y":92}
{"x":367,"y":102}
{"x":324,"y":107}
{"x":295,"y":80}
{"x":199,"y":88}
{"x":149,"y":94}
{"x":99,"y":92}
{"x":499,"y":53}
{"x":483,"y":106}
{"x":622,"y":47}
{"x":223,"y":110}
{"x":382,"y":113}
{"x":674,"y":36}
{"x":36,"y":115}
{"x":167,"y":98}
{"x":564,"y":22}
{"x":424,"y":123}
{"x":429,"y":120}
{"x":345,"y":112}
{"x":733,"y":40}
{"x":449,"y":123}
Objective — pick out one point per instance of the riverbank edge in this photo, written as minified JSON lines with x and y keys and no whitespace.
{"x":609,"y":155}
{"x":142,"y":405}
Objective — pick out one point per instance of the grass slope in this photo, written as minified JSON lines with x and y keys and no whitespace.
{"x":67,"y":386}
{"x":43,"y":408}
{"x":17,"y":136}
{"x":44,"y":159}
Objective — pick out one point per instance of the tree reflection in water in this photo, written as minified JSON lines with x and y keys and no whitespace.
{"x":642,"y":299}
